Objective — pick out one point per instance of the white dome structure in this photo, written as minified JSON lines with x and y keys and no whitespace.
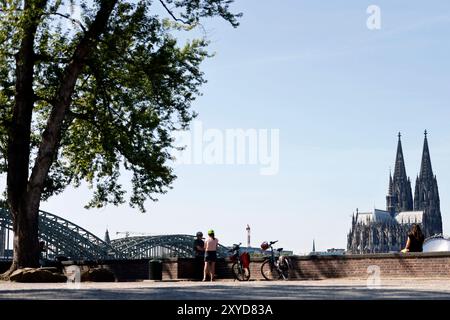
{"x":438,"y":244}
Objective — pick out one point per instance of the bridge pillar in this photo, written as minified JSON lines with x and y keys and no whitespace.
{"x":2,"y":242}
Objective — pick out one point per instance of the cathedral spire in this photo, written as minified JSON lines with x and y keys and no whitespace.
{"x":390,"y":198}
{"x":400,"y":197}
{"x":391,"y":183}
{"x":400,"y":168}
{"x":427,"y":194}
{"x":426,"y":169}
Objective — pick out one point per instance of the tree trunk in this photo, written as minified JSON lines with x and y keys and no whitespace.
{"x":24,"y":220}
{"x":26,"y":243}
{"x":24,"y":194}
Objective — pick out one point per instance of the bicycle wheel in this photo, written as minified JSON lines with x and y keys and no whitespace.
{"x":284,"y":274}
{"x":240,"y":273}
{"x":269,"y":271}
{"x":284,"y":268}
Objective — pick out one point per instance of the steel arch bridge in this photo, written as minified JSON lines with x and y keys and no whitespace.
{"x":178,"y":245}
{"x":64,"y":238}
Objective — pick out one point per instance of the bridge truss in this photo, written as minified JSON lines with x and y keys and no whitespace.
{"x":64,"y":238}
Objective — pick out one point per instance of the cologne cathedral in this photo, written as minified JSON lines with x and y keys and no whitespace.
{"x":382,"y":231}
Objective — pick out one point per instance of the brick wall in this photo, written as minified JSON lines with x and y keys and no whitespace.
{"x":419,"y":265}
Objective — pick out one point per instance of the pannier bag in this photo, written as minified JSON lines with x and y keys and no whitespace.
{"x":245,"y":259}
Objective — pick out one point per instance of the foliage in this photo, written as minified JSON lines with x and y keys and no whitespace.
{"x":135,"y":90}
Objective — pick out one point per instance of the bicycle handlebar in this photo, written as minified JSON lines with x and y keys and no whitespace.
{"x":235,"y":247}
{"x":273,"y":242}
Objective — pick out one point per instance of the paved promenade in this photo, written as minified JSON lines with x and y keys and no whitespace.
{"x":227,"y":290}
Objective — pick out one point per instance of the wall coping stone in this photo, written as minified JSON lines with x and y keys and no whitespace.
{"x":422,"y":255}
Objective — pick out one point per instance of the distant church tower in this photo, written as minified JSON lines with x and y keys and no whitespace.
{"x":400,"y":197}
{"x":426,"y":197}
{"x":107,"y":239}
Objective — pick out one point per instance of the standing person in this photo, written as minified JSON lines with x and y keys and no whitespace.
{"x":415,"y":240}
{"x":199,"y":254}
{"x":210,"y":255}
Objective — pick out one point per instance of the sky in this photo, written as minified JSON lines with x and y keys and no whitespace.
{"x":337,"y":92}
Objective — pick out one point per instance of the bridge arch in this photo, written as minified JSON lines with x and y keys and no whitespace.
{"x":178,"y":245}
{"x":64,"y":238}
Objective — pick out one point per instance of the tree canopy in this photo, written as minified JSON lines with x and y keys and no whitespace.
{"x":135,"y":88}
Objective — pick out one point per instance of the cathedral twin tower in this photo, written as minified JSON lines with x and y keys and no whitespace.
{"x":384,"y":231}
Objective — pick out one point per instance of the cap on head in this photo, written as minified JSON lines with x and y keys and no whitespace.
{"x":199,"y":234}
{"x":210,"y":232}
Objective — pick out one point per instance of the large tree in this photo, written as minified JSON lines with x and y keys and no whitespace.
{"x":86,"y":96}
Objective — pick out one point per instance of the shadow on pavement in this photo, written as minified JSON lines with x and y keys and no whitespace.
{"x":223,"y":292}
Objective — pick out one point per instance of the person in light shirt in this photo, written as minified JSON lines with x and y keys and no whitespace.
{"x":210,"y":255}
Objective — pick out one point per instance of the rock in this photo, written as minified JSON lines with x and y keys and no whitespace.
{"x":18,"y":275}
{"x":59,"y":277}
{"x":30,"y":275}
{"x":98,"y":275}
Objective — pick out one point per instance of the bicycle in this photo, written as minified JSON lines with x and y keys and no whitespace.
{"x":240,"y":267}
{"x":275,"y":267}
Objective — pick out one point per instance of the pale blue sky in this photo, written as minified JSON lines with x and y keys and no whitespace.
{"x":338,"y":92}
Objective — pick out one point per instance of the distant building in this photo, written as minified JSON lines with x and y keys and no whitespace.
{"x":329,"y":252}
{"x":259,"y":252}
{"x":381,"y":231}
{"x":107,"y":238}
{"x":336,"y":251}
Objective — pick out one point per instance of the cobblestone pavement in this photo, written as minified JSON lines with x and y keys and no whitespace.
{"x":230,"y":290}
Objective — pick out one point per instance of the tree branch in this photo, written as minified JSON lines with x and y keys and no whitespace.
{"x":104,"y":94}
{"x":36,"y":98}
{"x":172,"y":14}
{"x":66,"y":16}
{"x":52,"y":133}
{"x":81,"y":116}
{"x":47,"y":58}
{"x":11,"y":10}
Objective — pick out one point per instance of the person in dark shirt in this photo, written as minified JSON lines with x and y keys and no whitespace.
{"x":199,"y":254}
{"x":415,"y":240}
